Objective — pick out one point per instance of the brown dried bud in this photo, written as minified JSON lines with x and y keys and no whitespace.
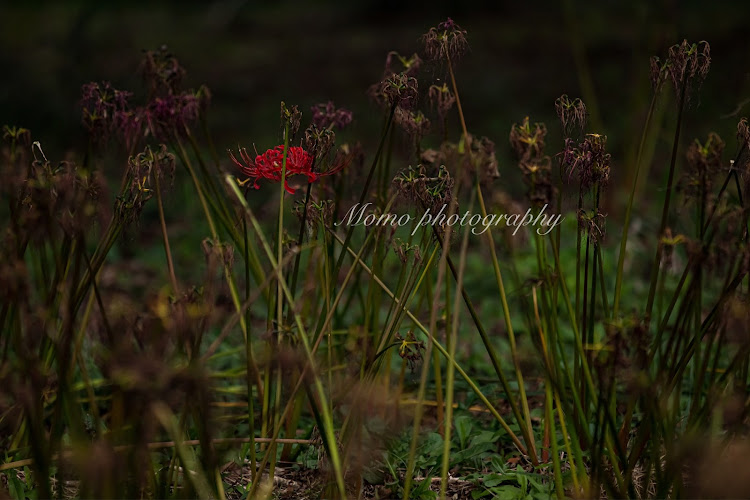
{"x":292,"y":116}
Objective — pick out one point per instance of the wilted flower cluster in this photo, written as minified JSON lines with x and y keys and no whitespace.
{"x":104,"y":110}
{"x":528,"y":143}
{"x":431,"y":191}
{"x":327,"y":115}
{"x":172,"y":113}
{"x":703,"y":162}
{"x":410,"y":349}
{"x":319,"y":142}
{"x":161,"y":71}
{"x":588,"y":160}
{"x":141,"y":170}
{"x":447,"y":40}
{"x":442,"y":99}
{"x":292,"y":116}
{"x":168,"y":112}
{"x":58,"y":197}
{"x":572,"y":113}
{"x":398,"y":89}
{"x":686,"y":63}
{"x":414,"y":123}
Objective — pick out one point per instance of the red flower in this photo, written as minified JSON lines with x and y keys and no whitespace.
{"x":269,"y":165}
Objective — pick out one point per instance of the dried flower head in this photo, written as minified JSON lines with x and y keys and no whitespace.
{"x":446,"y":41}
{"x":398,"y":89}
{"x":103,"y":108}
{"x":430,"y":191}
{"x":171,"y":114}
{"x":141,"y":169}
{"x":572,"y":113}
{"x":536,"y":176}
{"x":589,"y":160}
{"x":484,"y":159}
{"x":328,"y":116}
{"x":319,"y":142}
{"x":686,"y":64}
{"x":528,"y":143}
{"x":527,"y":140}
{"x":161,"y":71}
{"x":703,"y":163}
{"x":414,"y":123}
{"x":442,"y":99}
{"x":16,"y":136}
{"x":396,"y":63}
{"x":292,"y":116}
{"x":410,"y":349}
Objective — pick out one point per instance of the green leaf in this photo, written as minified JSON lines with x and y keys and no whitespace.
{"x":463,"y":429}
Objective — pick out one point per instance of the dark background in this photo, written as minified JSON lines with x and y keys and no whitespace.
{"x":252,"y":55}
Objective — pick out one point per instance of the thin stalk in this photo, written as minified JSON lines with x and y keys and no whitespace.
{"x":165,"y":236}
{"x":667,"y":198}
{"x":452,"y":336}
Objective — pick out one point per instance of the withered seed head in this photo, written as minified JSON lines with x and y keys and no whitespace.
{"x":447,"y":40}
{"x":430,"y":191}
{"x":414,"y":123}
{"x":327,"y":115}
{"x":526,"y":140}
{"x":703,"y":163}
{"x":161,"y":71}
{"x":572,"y":113}
{"x":292,"y":116}
{"x":399,"y":89}
{"x":319,"y":142}
{"x":441,"y":98}
{"x":686,"y":64}
{"x":528,"y":143}
{"x":589,"y":160}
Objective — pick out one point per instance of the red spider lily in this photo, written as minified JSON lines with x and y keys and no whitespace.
{"x":269,"y":165}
